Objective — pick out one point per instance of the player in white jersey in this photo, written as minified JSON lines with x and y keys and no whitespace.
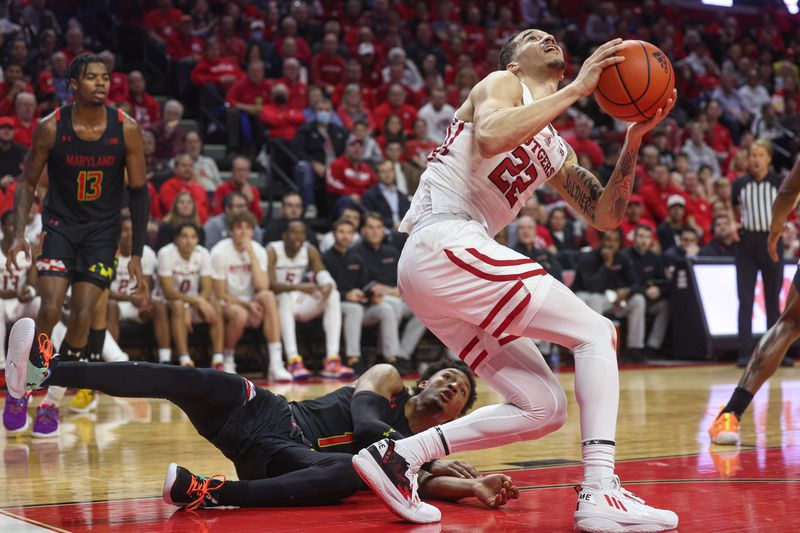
{"x":17,"y":287}
{"x":486,"y":302}
{"x":289,"y":260}
{"x":124,"y":303}
{"x":241,"y":284}
{"x":184,"y":281}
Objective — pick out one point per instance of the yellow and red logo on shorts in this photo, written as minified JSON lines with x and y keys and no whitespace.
{"x":50,"y":265}
{"x":103,"y":270}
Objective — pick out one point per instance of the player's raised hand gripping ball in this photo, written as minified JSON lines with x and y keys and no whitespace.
{"x":636,"y":88}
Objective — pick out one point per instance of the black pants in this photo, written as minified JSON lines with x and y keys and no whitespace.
{"x":254,"y":434}
{"x":752,"y":256}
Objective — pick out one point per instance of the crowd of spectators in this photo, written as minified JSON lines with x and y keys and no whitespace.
{"x":347,"y":98}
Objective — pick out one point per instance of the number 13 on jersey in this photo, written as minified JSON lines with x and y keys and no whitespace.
{"x":90,"y":185}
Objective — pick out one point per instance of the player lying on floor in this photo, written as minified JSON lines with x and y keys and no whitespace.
{"x":285,"y":453}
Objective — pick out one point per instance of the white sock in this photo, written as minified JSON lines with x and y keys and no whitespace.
{"x":185,"y":359}
{"x":164,"y":355}
{"x":228,"y":352}
{"x":54,"y":395}
{"x":423,"y":447}
{"x":216,"y":358}
{"x":598,"y":461}
{"x":275,"y":354}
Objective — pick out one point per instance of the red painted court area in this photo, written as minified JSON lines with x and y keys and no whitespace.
{"x":753,"y":490}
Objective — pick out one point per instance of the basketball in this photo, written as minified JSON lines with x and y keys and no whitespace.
{"x":635,"y":89}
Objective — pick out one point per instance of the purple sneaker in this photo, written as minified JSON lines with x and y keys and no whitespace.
{"x":46,"y":424}
{"x":15,"y":414}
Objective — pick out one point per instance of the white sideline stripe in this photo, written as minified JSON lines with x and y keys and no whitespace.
{"x":8,"y":524}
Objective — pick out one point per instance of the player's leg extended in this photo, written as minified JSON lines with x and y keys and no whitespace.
{"x":271,"y":329}
{"x":766,"y":359}
{"x":161,"y":331}
{"x":287,"y":301}
{"x":180,"y":316}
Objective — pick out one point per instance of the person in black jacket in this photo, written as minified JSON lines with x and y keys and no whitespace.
{"x":317,"y":145}
{"x":359,"y":306}
{"x":653,"y":284}
{"x":669,"y":231}
{"x":291,"y":209}
{"x":723,"y":244}
{"x":385,"y":198}
{"x":526,"y":245}
{"x":607,"y":282}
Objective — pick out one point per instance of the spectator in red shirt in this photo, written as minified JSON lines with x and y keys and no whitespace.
{"x":418,"y":148}
{"x":581,"y":143}
{"x":656,"y":194}
{"x":215,"y":69}
{"x":644,"y":170}
{"x":159,"y":22}
{"x":248,"y":96}
{"x":396,"y":105}
{"x":353,"y":109}
{"x":327,"y":66}
{"x":298,"y":91}
{"x":349,"y":177}
{"x":352,"y":75}
{"x":229,"y":43}
{"x":12,"y":85}
{"x":182,"y":45}
{"x":698,"y":209}
{"x":144,"y":108}
{"x":633,"y":219}
{"x":718,"y":136}
{"x":281,"y":119}
{"x":239,"y":182}
{"x":370,"y":66}
{"x":74,"y":40}
{"x":289,"y":29}
{"x":118,"y":83}
{"x":24,"y":120}
{"x":184,"y":181}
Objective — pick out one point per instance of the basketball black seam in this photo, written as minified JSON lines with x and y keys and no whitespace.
{"x":662,"y":92}
{"x":625,"y":87}
{"x":610,"y":101}
{"x":646,"y":60}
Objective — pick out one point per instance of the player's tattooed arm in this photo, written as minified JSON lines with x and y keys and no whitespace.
{"x":620,"y":185}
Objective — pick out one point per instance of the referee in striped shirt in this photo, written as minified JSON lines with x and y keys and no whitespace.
{"x":753,"y":195}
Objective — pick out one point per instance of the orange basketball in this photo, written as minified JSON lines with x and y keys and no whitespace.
{"x":636,"y":88}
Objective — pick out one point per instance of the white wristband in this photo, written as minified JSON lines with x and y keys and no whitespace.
{"x":323,"y":277}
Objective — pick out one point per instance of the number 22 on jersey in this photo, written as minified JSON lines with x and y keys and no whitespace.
{"x":90,"y":185}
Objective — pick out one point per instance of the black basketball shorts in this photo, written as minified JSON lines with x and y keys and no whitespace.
{"x":79,"y":252}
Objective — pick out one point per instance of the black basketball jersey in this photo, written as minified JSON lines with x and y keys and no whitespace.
{"x":328,"y":424}
{"x":87,"y":179}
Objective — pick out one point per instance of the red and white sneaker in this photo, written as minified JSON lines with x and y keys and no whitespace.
{"x":334,"y":369}
{"x":391,"y":478}
{"x":298,"y":371}
{"x":607,"y":507}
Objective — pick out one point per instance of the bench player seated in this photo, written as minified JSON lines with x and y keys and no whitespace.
{"x":184,"y":283}
{"x":241,"y":285}
{"x":285,"y":453}
{"x":123,"y":302}
{"x":289,"y":261}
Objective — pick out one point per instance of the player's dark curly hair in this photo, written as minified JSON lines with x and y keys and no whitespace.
{"x":508,"y":51}
{"x":455,"y":364}
{"x":78,"y":66}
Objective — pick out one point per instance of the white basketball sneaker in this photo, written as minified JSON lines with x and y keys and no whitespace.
{"x":607,"y":507}
{"x":389,"y":476}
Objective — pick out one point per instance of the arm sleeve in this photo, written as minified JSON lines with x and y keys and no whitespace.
{"x":140,"y":213}
{"x":367,"y":409}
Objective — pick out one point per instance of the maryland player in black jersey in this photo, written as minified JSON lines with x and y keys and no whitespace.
{"x":288,"y":453}
{"x":85,"y":148}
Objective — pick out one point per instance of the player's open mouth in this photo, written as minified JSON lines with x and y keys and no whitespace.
{"x":446,"y":395}
{"x":551,"y":48}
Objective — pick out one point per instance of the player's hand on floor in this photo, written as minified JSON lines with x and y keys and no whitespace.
{"x":495,"y":490}
{"x":444,"y":467}
{"x":638,"y":129}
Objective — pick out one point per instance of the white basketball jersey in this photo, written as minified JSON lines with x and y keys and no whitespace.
{"x":460,"y":182}
{"x":185,"y":273}
{"x":290,"y":269}
{"x":235,"y":268}
{"x":123,"y":283}
{"x":13,"y":281}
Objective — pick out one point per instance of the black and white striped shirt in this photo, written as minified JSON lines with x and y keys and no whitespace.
{"x":755,"y":200}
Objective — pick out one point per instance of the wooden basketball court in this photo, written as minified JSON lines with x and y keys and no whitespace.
{"x":106,"y":470}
